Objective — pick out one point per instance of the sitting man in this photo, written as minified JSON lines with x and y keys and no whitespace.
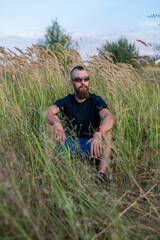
{"x":87,"y":115}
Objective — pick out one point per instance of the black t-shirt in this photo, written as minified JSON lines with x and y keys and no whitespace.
{"x":82,"y":117}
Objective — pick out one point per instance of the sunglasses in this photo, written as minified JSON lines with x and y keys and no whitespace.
{"x":79,"y":79}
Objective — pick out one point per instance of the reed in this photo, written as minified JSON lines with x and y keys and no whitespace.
{"x":45,"y":194}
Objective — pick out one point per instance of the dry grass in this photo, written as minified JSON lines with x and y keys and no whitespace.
{"x":51,"y":196}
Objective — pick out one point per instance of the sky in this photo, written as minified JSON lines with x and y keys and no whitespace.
{"x":90,"y":22}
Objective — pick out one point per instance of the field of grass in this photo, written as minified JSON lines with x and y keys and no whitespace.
{"x":47,"y":195}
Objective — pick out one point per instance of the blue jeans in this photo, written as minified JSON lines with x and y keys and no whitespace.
{"x":78,"y":146}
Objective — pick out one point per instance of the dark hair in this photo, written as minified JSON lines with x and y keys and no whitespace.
{"x":76,"y":68}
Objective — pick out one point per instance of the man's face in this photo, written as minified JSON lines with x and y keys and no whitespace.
{"x":81,"y":88}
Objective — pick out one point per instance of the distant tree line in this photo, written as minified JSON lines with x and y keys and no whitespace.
{"x":122,"y":51}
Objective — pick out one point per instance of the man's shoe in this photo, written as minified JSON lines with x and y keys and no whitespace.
{"x":103,"y":178}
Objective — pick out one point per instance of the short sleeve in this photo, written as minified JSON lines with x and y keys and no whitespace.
{"x":100,"y":104}
{"x":60,"y":103}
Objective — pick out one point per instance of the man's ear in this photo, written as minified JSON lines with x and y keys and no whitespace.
{"x":71,"y":82}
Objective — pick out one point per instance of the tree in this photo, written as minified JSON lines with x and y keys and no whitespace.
{"x":56,"y":34}
{"x":122,"y":50}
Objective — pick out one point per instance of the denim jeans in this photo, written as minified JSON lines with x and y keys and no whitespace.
{"x":78,"y":146}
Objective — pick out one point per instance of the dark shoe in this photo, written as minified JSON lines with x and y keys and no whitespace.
{"x":103,"y":178}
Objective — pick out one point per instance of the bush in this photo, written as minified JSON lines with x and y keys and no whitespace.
{"x":122,"y":50}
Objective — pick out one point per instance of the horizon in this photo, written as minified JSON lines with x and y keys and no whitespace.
{"x":90,"y":24}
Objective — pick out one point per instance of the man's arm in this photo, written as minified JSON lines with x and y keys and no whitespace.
{"x":50,"y":115}
{"x":54,"y":122}
{"x":106,"y":125}
{"x":107,"y":120}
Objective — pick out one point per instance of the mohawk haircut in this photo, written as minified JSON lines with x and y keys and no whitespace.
{"x":76,"y":68}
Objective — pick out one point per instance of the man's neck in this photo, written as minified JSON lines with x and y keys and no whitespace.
{"x":79,"y":100}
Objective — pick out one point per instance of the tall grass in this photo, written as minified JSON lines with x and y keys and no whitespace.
{"x":47,"y":195}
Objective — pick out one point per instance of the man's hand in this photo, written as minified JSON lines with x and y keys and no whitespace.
{"x":59,"y":134}
{"x":55,"y":124}
{"x":96,"y":145}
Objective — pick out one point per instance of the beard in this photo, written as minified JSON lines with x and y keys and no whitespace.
{"x":82,"y":93}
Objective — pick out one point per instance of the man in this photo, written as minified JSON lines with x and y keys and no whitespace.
{"x":87,"y":116}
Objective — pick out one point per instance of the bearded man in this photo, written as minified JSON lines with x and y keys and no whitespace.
{"x":87,"y":116}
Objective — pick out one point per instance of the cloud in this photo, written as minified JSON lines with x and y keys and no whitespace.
{"x":105,"y":38}
{"x":149,"y":23}
{"x":35,"y":28}
{"x":89,"y":47}
{"x":88,"y":41}
{"x":84,"y":35}
{"x":20,"y":35}
{"x":21,"y":41}
{"x":134,"y":34}
{"x":152,"y":32}
{"x":143,"y":52}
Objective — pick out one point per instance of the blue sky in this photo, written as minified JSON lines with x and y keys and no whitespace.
{"x":91,"y":23}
